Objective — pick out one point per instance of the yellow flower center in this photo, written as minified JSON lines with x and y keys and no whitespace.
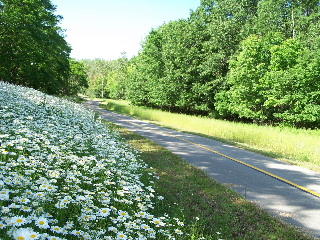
{"x":21,"y":238}
{"x":41,"y":222}
{"x":19,"y":220}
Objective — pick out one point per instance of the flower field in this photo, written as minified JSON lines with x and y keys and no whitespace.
{"x":65,"y":175}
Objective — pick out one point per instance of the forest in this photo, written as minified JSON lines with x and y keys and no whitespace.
{"x":33,"y":51}
{"x":255,"y":61}
{"x":245,"y":60}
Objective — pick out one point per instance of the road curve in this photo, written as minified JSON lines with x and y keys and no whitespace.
{"x":287,"y":191}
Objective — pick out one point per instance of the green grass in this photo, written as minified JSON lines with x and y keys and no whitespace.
{"x":209,"y":209}
{"x":297,"y":146}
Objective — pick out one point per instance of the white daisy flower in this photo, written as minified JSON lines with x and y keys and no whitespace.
{"x":2,"y":225}
{"x":80,"y":198}
{"x":34,"y":235}
{"x":123,"y":213}
{"x":5,"y":209}
{"x":121,"y":236}
{"x":77,"y":232}
{"x":112,"y":229}
{"x":144,"y":227}
{"x":26,"y":208}
{"x":157,"y":222}
{"x":22,"y":234}
{"x":54,"y":238}
{"x":18,"y":221}
{"x":42,"y":222}
{"x":69,"y":225}
{"x":104,"y":212}
{"x":56,"y":229}
{"x":24,"y":200}
{"x":4,"y":196}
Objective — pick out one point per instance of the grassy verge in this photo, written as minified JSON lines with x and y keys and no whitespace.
{"x":209,"y":209}
{"x":299,"y":147}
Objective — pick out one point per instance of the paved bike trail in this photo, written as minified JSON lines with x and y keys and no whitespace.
{"x":287,"y":191}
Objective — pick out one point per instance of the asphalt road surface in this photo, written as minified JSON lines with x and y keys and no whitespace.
{"x":287,"y":191}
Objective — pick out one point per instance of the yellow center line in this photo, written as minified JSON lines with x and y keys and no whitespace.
{"x":231,"y":158}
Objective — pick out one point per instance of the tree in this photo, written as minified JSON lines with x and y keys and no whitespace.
{"x":273,"y":80}
{"x":292,"y":18}
{"x":33,"y":51}
{"x":77,"y":80}
{"x":183,"y":63}
{"x":145,"y":72}
{"x":173,"y":89}
{"x":246,"y":94}
{"x":166,"y":70}
{"x":107,"y":79}
{"x":294,"y":85}
{"x":221,"y":26}
{"x":225,"y":26}
{"x":117,"y":78}
{"x":252,"y":60}
{"x":96,"y":70}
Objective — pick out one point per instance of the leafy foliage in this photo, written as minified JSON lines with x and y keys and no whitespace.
{"x":33,"y":51}
{"x":251,"y":60}
{"x":78,"y":78}
{"x":246,"y":95}
{"x":106,"y":78}
{"x":275,"y":81}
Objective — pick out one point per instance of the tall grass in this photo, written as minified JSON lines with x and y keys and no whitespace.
{"x":297,"y":146}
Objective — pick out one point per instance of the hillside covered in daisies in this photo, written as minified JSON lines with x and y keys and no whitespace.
{"x":65,"y":175}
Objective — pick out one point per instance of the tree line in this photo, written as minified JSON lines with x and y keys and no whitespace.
{"x":248,"y":60}
{"x":245,"y":60}
{"x":33,"y":51}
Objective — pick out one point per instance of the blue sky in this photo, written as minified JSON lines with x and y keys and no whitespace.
{"x":106,"y":28}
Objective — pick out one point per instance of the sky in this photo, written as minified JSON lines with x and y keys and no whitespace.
{"x":106,"y":28}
